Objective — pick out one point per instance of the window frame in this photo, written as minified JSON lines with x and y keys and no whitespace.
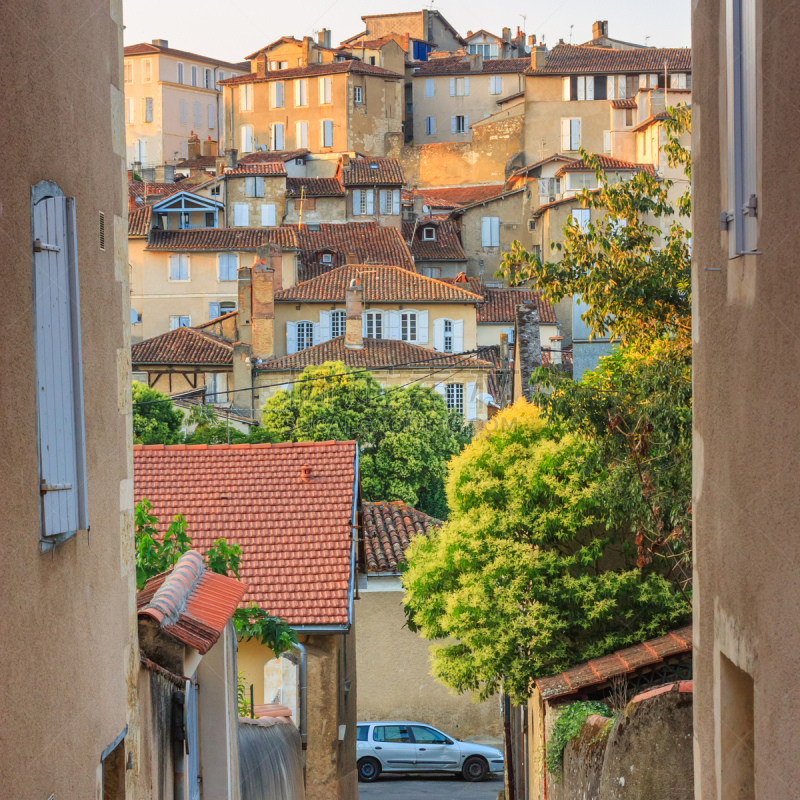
{"x":374,"y":317}
{"x":409,"y":318}
{"x":193,"y":74}
{"x":451,"y":397}
{"x":358,"y":94}
{"x":426,"y":230}
{"x":235,"y":257}
{"x":180,"y":73}
{"x":127,"y":72}
{"x":461,"y":123}
{"x":430,"y":126}
{"x":180,"y":256}
{"x":179,"y":317}
{"x":301,"y":93}
{"x":309,"y":333}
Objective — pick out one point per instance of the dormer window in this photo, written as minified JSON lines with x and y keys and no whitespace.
{"x":429,"y":234}
{"x":326,"y":258}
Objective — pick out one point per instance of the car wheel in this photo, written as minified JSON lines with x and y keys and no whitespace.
{"x":368,"y":770}
{"x":474,"y":769}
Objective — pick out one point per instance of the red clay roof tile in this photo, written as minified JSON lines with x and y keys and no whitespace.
{"x":566,"y":59}
{"x":459,"y":65}
{"x":183,"y":346}
{"x":388,"y":530}
{"x":607,"y":163}
{"x":445,"y":247}
{"x":139,"y":221}
{"x":265,"y":168}
{"x":145,"y":49}
{"x":334,"y":68}
{"x":454,"y":196}
{"x":373,"y":171}
{"x":314,"y":187}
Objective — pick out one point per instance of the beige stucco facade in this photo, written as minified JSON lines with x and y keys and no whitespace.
{"x":394,"y":671}
{"x":323,"y":209}
{"x":426,"y":25}
{"x":239,"y":192}
{"x":69,"y":656}
{"x":746,"y":587}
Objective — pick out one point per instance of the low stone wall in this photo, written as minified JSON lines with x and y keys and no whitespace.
{"x":583,"y":763}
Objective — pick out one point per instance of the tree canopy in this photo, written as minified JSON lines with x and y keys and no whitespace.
{"x":157,"y":421}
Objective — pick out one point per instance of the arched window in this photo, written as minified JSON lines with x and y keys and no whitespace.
{"x":337,"y":323}
{"x":305,"y":335}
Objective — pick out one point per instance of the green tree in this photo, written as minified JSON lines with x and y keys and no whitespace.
{"x":406,"y":435}
{"x":156,"y":421}
{"x":525,"y":578}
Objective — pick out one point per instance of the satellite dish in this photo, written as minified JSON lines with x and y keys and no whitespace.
{"x":263,"y":148}
{"x":134,"y":316}
{"x":425,"y":210}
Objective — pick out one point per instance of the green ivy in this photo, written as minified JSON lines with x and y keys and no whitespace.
{"x":568,"y":727}
{"x":241,"y":696}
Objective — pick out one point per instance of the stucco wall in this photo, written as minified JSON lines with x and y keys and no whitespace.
{"x":327,"y":209}
{"x":394,"y":675}
{"x":746,"y":426}
{"x":274,"y":194}
{"x":69,"y":657}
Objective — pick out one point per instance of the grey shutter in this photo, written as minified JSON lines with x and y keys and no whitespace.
{"x":213,"y":310}
{"x":452,"y":87}
{"x":396,"y":202}
{"x":192,"y":739}
{"x":59,"y":374}
{"x":452,"y":124}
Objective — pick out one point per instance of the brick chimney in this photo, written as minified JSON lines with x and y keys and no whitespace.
{"x":600,"y":29}
{"x":262,"y":320}
{"x":351,"y":257}
{"x":406,"y":44}
{"x":261,"y":65}
{"x":506,"y":34}
{"x":209,"y":147}
{"x":194,"y":146}
{"x":220,"y":166}
{"x":345,"y":160}
{"x":231,"y":159}
{"x":245,"y":303}
{"x":354,"y":301}
{"x":538,"y":56}
{"x":272,"y":254}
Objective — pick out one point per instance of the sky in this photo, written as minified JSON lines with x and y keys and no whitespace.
{"x":230,"y":31}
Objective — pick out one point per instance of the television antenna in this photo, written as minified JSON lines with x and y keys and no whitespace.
{"x":645,"y":40}
{"x":570,"y":33}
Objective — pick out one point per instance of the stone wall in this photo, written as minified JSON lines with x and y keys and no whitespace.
{"x":583,"y":763}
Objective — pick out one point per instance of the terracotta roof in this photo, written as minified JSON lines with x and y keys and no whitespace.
{"x":388,"y":530}
{"x":501,"y":196}
{"x":445,"y":247}
{"x":220,"y":238}
{"x":381,"y":284}
{"x":367,"y":44}
{"x":454,"y":196}
{"x":201,"y":162}
{"x":183,"y":346}
{"x":511,"y":97}
{"x":501,"y":305}
{"x":607,"y":163}
{"x":295,"y":532}
{"x":191,"y":603}
{"x":649,"y":121}
{"x":371,"y":171}
{"x":314,"y":187}
{"x":599,"y":670}
{"x":371,"y":243}
{"x":333,"y":68}
{"x":376,"y":354}
{"x":628,"y":102}
{"x":567,"y":59}
{"x":216,"y":320}
{"x":491,"y":353}
{"x":266,"y":168}
{"x":144,"y":49}
{"x":137,"y":189}
{"x":547,"y":206}
{"x":273,"y":155}
{"x":139,"y":220}
{"x":459,"y":65}
{"x":529,"y":167}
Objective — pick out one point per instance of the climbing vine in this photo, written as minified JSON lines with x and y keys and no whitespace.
{"x":568,"y":727}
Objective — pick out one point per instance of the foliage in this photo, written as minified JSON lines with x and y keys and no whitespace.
{"x":254,"y":623}
{"x":158,"y":422}
{"x":242,"y":700}
{"x":568,"y":727}
{"x":224,"y":558}
{"x":525,"y":577}
{"x":405,"y":434}
{"x":211,"y":428}
{"x":154,"y":557}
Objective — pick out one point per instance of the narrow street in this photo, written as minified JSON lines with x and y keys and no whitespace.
{"x":412,"y":787}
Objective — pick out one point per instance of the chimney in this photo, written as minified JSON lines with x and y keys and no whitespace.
{"x":538,"y":56}
{"x":506,"y":34}
{"x":351,"y":257}
{"x":528,"y":343}
{"x":418,"y":205}
{"x":194,"y":146}
{"x":273,"y":255}
{"x":245,"y":297}
{"x":231,"y":158}
{"x":345,"y":160}
{"x":220,"y":166}
{"x":352,"y":331}
{"x":209,"y":147}
{"x":148,"y":174}
{"x":324,"y":38}
{"x":261,"y":65}
{"x":475,"y":62}
{"x":469,"y":33}
{"x":165,"y":173}
{"x":600,"y":29}
{"x":305,"y":473}
{"x":160,"y":42}
{"x":137,"y":168}
{"x":406,"y":45}
{"x":262,"y":320}
{"x":532,"y":40}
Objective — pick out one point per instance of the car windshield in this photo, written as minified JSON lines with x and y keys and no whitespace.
{"x":362,"y":732}
{"x":424,"y":735}
{"x":391,"y":733}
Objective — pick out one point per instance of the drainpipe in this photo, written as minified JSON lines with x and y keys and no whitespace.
{"x":178,"y":739}
{"x":303,"y":695}
{"x":509,"y":742}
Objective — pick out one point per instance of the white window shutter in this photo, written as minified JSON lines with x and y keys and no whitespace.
{"x":422,"y":327}
{"x":643,"y":81}
{"x":324,"y":326}
{"x":607,"y":141}
{"x":466,"y":85}
{"x":212,"y":116}
{"x":370,"y":201}
{"x":565,"y":88}
{"x":321,"y":90}
{"x":364,"y":323}
{"x":297,"y":93}
{"x":184,"y":113}
{"x":382,"y":197}
{"x":590,"y":87}
{"x":268,"y":215}
{"x":249,"y":186}
{"x":654,"y":80}
{"x":575,"y":134}
{"x":315,"y":333}
{"x":565,"y":139}
{"x":495,"y":231}
{"x":241,"y":215}
{"x":272,"y":94}
{"x":458,"y":336}
{"x":466,"y":122}
{"x":198,"y":114}
{"x":452,"y":87}
{"x":471,"y":401}
{"x":259,"y":186}
{"x":621,"y":85}
{"x":174,"y":267}
{"x":429,"y":87}
{"x":357,"y":201}
{"x":395,"y":202}
{"x":438,"y":335}
{"x":392,"y":325}
{"x":291,"y":337}
{"x":581,"y":87}
{"x":452,"y":124}
{"x":59,"y":370}
{"x":610,"y":83}
{"x":439,"y":388}
{"x":213,"y":310}
{"x":486,"y":231}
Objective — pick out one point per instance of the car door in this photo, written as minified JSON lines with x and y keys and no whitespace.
{"x":394,"y":747}
{"x":435,"y":751}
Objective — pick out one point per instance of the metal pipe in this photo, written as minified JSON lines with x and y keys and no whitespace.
{"x":178,"y":746}
{"x":303,"y":694}
{"x":509,"y":748}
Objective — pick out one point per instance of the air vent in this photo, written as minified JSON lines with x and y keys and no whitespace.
{"x":102,"y":231}
{"x":531,"y":224}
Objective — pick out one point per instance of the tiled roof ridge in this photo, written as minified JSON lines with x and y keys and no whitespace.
{"x":212,"y":321}
{"x":259,"y":446}
{"x":170,"y":599}
{"x":328,"y":68}
{"x":171,"y":51}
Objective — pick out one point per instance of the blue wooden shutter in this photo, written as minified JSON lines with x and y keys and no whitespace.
{"x":59,"y":375}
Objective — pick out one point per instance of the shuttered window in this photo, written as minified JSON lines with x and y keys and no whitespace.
{"x":570,"y":134}
{"x":327,"y":132}
{"x":581,"y":217}
{"x":148,"y":109}
{"x":179,"y":267}
{"x":198,"y":115}
{"x":301,"y":135}
{"x":338,"y":320}
{"x":268,"y":215}
{"x":324,"y":91}
{"x":277,"y":136}
{"x":254,"y":186}
{"x":228,"y":264}
{"x":430,"y":87}
{"x":59,"y":369}
{"x":147,"y":70}
{"x":212,"y":116}
{"x":247,"y":138}
{"x":194,"y":76}
{"x":246,"y":97}
{"x":430,"y":125}
{"x":301,"y":92}
{"x":184,"y":112}
{"x":180,"y":72}
{"x":276,"y":94}
{"x":241,"y":215}
{"x":496,"y":84}
{"x":490,"y":231}
{"x":131,"y":106}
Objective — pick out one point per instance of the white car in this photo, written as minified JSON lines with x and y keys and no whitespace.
{"x":415,"y":747}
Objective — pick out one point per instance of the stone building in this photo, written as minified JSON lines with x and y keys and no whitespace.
{"x":69,"y":652}
{"x":373,"y":187}
{"x":746,"y":426}
{"x":169,"y":95}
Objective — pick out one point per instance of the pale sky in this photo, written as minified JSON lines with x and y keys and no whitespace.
{"x":231,"y":30}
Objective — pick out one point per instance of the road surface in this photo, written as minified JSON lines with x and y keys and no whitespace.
{"x":431,"y":787}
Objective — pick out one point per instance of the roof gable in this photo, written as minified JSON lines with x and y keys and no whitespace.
{"x":187,"y":201}
{"x":183,"y":346}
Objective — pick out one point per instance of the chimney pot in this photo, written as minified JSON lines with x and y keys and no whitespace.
{"x":305,"y":472}
{"x":209,"y":147}
{"x":160,"y":42}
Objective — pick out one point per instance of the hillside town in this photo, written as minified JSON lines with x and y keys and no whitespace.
{"x":404,"y":415}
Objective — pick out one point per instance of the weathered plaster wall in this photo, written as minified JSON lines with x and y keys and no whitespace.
{"x":68,"y":651}
{"x":379,"y":113}
{"x":394,"y":675}
{"x":326,"y":209}
{"x":274,"y":194}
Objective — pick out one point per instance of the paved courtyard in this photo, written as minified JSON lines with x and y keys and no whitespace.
{"x":412,"y":787}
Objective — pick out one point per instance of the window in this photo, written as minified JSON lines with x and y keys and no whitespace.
{"x":430,"y":125}
{"x":179,"y":267}
{"x":607,"y":141}
{"x":454,"y":397}
{"x":301,"y":135}
{"x":247,"y":138}
{"x":198,"y":115}
{"x":362,"y":732}
{"x":372,"y":60}
{"x":570,"y":134}
{"x":59,"y":381}
{"x":276,"y":142}
{"x":363,"y":202}
{"x":427,"y":735}
{"x":128,"y":72}
{"x":268,"y":215}
{"x":212,"y":115}
{"x":408,"y":326}
{"x":326,"y":258}
{"x":136,"y":317}
{"x":327,"y":132}
{"x":208,"y":78}
{"x":228,"y":265}
{"x":305,"y":335}
{"x":220,"y":77}
{"x":131,"y":106}
{"x":490,"y":231}
{"x":397,"y":734}
{"x":283,"y":65}
{"x":430,"y":87}
{"x":246,"y":97}
{"x":373,"y":325}
{"x":600,"y":87}
{"x":301,"y":92}
{"x":421,"y":51}
{"x":338,"y":322}
{"x":324,"y":91}
{"x":216,"y":190}
{"x":496,"y":84}
{"x":241,"y":215}
{"x":628,"y":117}
{"x":582,"y":180}
{"x":357,"y":94}
{"x":631,"y":85}
{"x":581,"y":217}
{"x":179,"y":322}
{"x":677,"y":80}
{"x":459,"y":123}
{"x":276,"y":94}
{"x":741,"y":220}
{"x":194,"y":75}
{"x":389,"y":201}
{"x":549,"y":187}
{"x":180,"y":72}
{"x":183,"y":220}
{"x":148,"y":109}
{"x":184,"y":112}
{"x":210,"y":219}
{"x":254,"y":186}
{"x":429,"y":234}
{"x":147,"y":70}
{"x":459,"y":87}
